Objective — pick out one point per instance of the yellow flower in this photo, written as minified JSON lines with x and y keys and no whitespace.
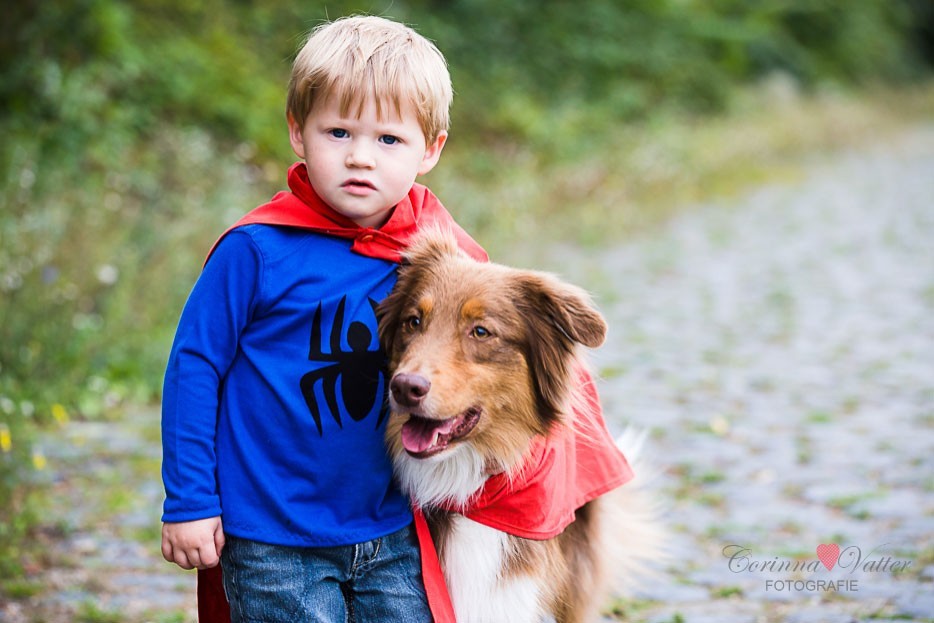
{"x":6,"y":440}
{"x":38,"y":460}
{"x":59,"y":413}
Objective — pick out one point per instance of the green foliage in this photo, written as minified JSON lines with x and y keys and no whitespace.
{"x":18,"y":514}
{"x":514,"y":62}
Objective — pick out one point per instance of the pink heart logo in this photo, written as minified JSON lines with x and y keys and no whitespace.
{"x":828,"y":554}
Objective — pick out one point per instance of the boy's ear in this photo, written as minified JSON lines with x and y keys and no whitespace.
{"x":433,"y":153}
{"x":295,"y":136}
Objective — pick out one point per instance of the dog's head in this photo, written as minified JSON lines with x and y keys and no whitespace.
{"x":480,"y":355}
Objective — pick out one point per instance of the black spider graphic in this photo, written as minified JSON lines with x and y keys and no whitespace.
{"x":360,"y":370}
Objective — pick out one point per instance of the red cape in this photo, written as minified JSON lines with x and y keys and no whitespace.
{"x":562,"y":472}
{"x":573,"y":465}
{"x":301,"y":207}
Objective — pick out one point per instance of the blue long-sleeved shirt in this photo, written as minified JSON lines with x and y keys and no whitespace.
{"x":273,"y":397}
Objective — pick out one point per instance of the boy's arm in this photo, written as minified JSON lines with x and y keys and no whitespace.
{"x":206,"y":344}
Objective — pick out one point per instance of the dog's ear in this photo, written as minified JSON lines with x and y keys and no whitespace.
{"x":432,"y":245}
{"x":567,"y":308}
{"x":558,"y":317}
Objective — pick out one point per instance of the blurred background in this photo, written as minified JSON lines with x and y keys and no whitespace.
{"x":133,"y":132}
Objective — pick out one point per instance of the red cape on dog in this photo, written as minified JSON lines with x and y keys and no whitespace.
{"x":562,"y":472}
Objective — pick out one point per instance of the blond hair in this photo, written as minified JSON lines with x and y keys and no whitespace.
{"x":363,"y":57}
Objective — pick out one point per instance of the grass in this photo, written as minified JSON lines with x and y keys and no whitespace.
{"x":844,"y":502}
{"x":21,"y":589}
{"x":91,"y":613}
{"x":621,"y":609}
{"x":819,"y":417}
{"x":725,"y":592}
{"x":695,"y":486}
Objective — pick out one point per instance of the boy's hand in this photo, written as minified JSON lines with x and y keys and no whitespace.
{"x":193,"y":544}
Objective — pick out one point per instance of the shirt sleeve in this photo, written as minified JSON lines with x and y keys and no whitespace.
{"x":206,"y":343}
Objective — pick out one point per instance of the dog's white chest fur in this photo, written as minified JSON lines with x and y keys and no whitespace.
{"x":474,"y":561}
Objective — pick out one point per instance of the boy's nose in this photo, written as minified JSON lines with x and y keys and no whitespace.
{"x":360,"y":156}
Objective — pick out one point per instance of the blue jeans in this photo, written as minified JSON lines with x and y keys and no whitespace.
{"x":379,"y":581}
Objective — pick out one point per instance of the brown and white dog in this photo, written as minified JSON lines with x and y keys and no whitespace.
{"x":482,"y":358}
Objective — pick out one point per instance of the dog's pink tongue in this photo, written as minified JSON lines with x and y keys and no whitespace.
{"x":420,"y":434}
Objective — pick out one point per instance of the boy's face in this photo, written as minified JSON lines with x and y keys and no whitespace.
{"x":362,"y":167}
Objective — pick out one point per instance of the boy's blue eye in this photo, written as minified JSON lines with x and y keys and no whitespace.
{"x":338,"y":133}
{"x":389,"y":140}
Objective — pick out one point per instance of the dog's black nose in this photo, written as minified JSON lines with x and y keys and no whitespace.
{"x":409,"y":389}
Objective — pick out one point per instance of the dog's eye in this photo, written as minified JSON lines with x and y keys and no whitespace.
{"x":481,"y":333}
{"x":412,"y":323}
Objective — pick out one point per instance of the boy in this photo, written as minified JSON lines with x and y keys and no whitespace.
{"x":273,"y":406}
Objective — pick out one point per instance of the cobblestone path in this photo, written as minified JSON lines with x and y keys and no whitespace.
{"x":780,"y":348}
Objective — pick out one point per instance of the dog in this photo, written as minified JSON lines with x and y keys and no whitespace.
{"x":482,"y":362}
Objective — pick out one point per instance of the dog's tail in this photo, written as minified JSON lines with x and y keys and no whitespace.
{"x":634,"y":533}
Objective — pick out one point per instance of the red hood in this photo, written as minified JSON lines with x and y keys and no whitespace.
{"x":301,"y":207}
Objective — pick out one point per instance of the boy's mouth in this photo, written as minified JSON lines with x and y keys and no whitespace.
{"x":358,"y":185}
